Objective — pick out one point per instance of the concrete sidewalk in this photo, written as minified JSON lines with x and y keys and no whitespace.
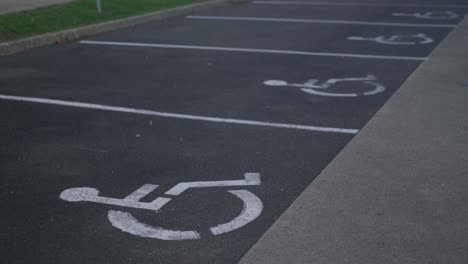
{"x":398,"y":192}
{"x":9,"y":6}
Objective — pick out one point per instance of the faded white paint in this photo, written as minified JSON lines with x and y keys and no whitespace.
{"x":315,"y":3}
{"x":176,"y":115}
{"x":415,"y":39}
{"x":277,"y":83}
{"x":252,"y":209}
{"x":312,"y":87}
{"x":320,"y":21}
{"x":268,"y":51}
{"x":141,"y":192}
{"x":86,"y":194}
{"x":249,"y":180}
{"x":127,"y":223}
{"x":432,"y":15}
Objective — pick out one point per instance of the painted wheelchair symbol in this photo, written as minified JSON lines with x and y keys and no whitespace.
{"x":397,"y":39}
{"x":124,"y":221}
{"x":313,"y":87}
{"x":441,"y":15}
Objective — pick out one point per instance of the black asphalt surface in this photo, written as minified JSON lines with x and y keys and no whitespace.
{"x":48,"y":148}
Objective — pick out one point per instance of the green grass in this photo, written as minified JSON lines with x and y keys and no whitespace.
{"x":77,"y":13}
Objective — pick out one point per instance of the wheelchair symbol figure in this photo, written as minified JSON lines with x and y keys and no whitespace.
{"x":441,"y":15}
{"x":398,"y":39}
{"x":312,"y":86}
{"x":124,"y":221}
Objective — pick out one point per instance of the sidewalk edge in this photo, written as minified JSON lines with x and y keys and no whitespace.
{"x":394,"y":193}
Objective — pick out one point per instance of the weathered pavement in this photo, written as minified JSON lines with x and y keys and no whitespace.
{"x":233,"y":90}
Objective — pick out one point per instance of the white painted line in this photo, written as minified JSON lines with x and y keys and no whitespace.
{"x":175,"y":115}
{"x":125,"y":222}
{"x":320,"y":21}
{"x":357,"y":4}
{"x":271,"y":51}
{"x":252,"y":209}
{"x":249,"y":180}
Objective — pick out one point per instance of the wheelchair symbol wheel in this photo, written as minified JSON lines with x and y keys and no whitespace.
{"x":252,"y":207}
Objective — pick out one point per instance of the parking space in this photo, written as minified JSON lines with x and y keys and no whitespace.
{"x":207,"y":83}
{"x":338,"y":39}
{"x":67,"y":148}
{"x":370,"y":13}
{"x":182,"y":141}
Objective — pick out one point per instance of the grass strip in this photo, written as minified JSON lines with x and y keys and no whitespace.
{"x":76,"y":13}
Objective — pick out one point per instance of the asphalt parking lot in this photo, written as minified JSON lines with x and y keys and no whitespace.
{"x":244,"y":105}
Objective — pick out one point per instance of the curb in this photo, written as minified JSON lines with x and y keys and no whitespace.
{"x":16,"y":46}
